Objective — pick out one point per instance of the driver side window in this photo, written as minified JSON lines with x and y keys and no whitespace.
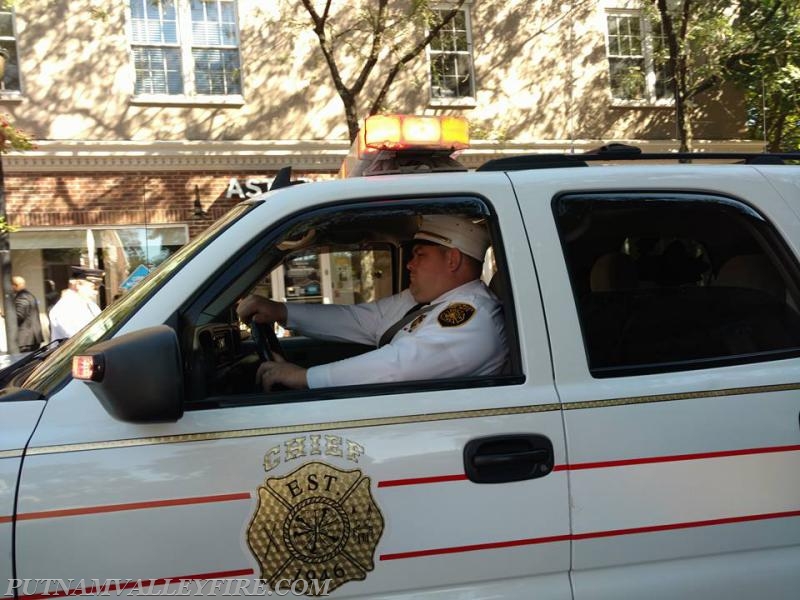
{"x":342,"y":257}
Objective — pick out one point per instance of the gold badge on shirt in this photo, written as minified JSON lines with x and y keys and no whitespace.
{"x":415,"y":323}
{"x":456,"y":314}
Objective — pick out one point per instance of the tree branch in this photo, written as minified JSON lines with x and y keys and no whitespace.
{"x":327,"y":51}
{"x":377,"y":37}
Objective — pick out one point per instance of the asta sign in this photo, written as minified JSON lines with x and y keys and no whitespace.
{"x":252,"y":187}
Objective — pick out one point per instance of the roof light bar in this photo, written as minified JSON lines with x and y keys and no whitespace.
{"x":429,"y":139}
{"x":405,"y":132}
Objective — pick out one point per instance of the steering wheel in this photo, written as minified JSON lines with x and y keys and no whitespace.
{"x":267,"y":344}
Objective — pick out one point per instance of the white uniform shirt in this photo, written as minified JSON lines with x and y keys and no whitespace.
{"x":462,"y":335}
{"x":70,"y":314}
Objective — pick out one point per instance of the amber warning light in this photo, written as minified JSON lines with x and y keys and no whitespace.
{"x":88,"y":367}
{"x":403,"y":132}
{"x":418,"y":143}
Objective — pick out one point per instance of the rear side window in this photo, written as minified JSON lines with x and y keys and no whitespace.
{"x":670,"y":282}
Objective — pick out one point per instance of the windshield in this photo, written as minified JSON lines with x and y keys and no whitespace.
{"x":52,"y":371}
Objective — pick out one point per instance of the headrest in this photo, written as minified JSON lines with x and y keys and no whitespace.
{"x":754,"y":271}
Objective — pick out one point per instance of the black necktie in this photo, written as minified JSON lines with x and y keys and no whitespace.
{"x":402,"y":322}
{"x":415,"y":308}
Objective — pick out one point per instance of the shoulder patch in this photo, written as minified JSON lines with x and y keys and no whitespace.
{"x":456,"y":314}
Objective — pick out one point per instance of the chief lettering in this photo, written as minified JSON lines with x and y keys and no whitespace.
{"x":312,"y":445}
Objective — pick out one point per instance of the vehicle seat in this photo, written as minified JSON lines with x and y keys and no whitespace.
{"x":499,"y":288}
{"x":612,"y":281}
{"x":611,"y":272}
{"x":753,"y":271}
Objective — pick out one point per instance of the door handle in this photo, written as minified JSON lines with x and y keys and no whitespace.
{"x":504,"y":458}
{"x":499,"y":460}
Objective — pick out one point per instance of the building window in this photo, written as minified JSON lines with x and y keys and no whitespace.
{"x":185,"y":47}
{"x":8,"y":50}
{"x":450,"y":52}
{"x":637,"y":59}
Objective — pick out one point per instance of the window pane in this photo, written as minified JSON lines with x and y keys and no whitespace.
{"x":158,"y":71}
{"x":198,"y":11}
{"x":155,"y":28}
{"x":11,"y":75}
{"x":211,"y":26}
{"x":452,"y":77}
{"x":10,"y":81}
{"x":613,"y":46}
{"x":665,"y":81}
{"x":212,"y":11}
{"x":671,"y":283}
{"x":228,"y":15}
{"x":460,"y":41}
{"x":153,"y":9}
{"x":137,"y":8}
{"x":206,"y":34}
{"x":6,"y":25}
{"x":613,"y":25}
{"x":169,"y":9}
{"x":627,"y":78}
{"x":217,"y":71}
{"x":436,"y":42}
{"x":463,"y":79}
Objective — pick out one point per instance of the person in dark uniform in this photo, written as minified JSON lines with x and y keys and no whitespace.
{"x":29,"y":327}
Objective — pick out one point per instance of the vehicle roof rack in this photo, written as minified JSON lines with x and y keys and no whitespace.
{"x":621,"y":152}
{"x":533,"y":161}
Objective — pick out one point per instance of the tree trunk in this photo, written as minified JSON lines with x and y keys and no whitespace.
{"x":774,"y":134}
{"x":351,"y":114}
{"x":678,"y":64}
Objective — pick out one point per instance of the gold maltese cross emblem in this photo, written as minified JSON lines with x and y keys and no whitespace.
{"x":317,"y":523}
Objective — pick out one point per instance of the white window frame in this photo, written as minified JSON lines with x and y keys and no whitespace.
{"x":11,"y":94}
{"x":186,"y":45}
{"x":649,"y":98}
{"x":468,"y":101}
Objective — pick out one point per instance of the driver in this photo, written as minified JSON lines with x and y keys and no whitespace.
{"x":446,"y":324}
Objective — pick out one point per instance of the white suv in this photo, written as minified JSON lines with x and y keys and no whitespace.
{"x":643,"y":442}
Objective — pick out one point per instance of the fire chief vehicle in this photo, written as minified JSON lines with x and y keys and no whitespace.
{"x":641,"y":441}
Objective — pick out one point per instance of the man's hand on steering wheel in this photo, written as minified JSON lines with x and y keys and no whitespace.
{"x":261,"y":309}
{"x":280,"y":372}
{"x":261,"y":314}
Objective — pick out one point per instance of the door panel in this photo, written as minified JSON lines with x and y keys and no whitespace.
{"x":181,"y":506}
{"x":683,"y":483}
{"x":18,"y":421}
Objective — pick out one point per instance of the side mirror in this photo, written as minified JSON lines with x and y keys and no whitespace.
{"x":137,"y":377}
